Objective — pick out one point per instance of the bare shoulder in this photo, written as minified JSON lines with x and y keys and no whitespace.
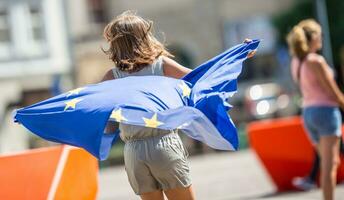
{"x":317,"y":63}
{"x":315,"y":59}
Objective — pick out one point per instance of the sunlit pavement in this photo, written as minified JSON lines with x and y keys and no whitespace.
{"x":218,"y":176}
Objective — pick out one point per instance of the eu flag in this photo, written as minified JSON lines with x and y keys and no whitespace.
{"x":196,"y":104}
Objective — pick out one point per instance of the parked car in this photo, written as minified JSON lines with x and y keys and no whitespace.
{"x":265,"y":100}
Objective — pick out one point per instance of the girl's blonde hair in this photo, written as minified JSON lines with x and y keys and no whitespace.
{"x":300,"y":37}
{"x":132,"y":45}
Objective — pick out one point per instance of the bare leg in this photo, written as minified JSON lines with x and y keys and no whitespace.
{"x":180,"y":194}
{"x":156,"y":195}
{"x":329,"y":158}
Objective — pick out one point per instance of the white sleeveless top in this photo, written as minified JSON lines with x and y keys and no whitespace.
{"x":156,"y":68}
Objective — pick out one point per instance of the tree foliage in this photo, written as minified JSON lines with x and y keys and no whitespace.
{"x":306,"y":9}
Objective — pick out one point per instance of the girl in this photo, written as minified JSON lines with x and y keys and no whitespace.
{"x":155,"y":160}
{"x":321,"y":98}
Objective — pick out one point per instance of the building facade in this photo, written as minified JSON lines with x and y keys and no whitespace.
{"x":54,"y":45}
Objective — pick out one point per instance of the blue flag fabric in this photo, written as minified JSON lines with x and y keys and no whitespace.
{"x":196,"y":104}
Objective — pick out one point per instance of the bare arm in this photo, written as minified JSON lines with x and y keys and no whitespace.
{"x":319,"y":66}
{"x":173,"y":69}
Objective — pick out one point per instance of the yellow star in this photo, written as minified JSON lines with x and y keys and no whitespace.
{"x":153,"y":122}
{"x":75,"y":91}
{"x":117,"y":115}
{"x":72,"y":103}
{"x":185,"y":88}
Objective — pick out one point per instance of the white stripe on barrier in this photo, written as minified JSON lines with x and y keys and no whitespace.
{"x":58,"y":172}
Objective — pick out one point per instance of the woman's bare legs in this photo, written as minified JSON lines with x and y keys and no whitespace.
{"x":329,"y":158}
{"x":156,"y":195}
{"x":180,"y":194}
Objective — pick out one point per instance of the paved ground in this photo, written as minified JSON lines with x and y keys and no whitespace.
{"x":220,"y":176}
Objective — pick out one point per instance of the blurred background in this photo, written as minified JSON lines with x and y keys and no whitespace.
{"x":51,"y":46}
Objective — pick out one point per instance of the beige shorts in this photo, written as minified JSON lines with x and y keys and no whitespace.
{"x":156,"y":163}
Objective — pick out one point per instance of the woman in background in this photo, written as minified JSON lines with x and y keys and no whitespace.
{"x":321,"y":99}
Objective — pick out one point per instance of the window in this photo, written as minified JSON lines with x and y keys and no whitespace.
{"x":97,"y":9}
{"x":22,"y":31}
{"x":5,"y":34}
{"x":36,"y":32}
{"x":4,"y":27}
{"x":37,"y":25}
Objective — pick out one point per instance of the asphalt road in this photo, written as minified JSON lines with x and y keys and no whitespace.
{"x":216,"y":176}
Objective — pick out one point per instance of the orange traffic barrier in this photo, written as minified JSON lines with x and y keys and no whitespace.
{"x":284,"y":149}
{"x":61,"y":172}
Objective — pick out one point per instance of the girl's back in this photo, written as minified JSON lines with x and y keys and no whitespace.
{"x":131,"y":132}
{"x":156,"y":68}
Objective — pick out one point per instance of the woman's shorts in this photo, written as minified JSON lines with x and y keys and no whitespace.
{"x":156,"y":163}
{"x":322,"y":121}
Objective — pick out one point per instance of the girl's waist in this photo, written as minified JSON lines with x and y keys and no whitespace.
{"x":308,"y":102}
{"x":133,"y":133}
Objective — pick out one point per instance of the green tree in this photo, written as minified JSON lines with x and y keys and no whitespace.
{"x":306,"y":9}
{"x":285,"y":21}
{"x":336,"y":23}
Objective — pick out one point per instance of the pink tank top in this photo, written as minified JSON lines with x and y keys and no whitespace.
{"x":313,"y":93}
